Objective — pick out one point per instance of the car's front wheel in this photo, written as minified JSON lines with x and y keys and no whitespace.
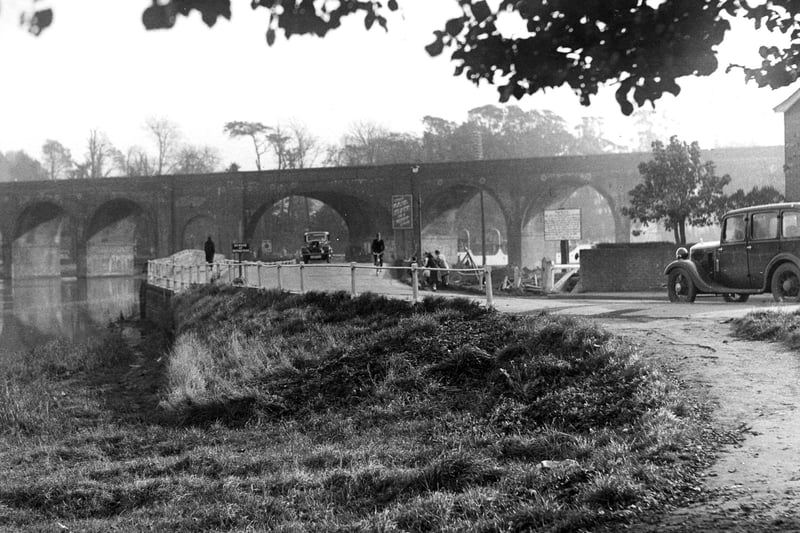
{"x":680,"y":286}
{"x":786,"y":283}
{"x":736,"y":297}
{"x":306,"y":259}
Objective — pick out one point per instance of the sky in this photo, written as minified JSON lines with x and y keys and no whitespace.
{"x":97,"y":68}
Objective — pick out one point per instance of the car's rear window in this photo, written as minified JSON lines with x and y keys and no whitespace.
{"x":765,"y":225}
{"x":791,"y":224}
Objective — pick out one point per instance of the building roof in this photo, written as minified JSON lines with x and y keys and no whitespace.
{"x":787,"y":104}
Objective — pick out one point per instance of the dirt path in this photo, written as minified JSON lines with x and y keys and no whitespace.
{"x":754,"y":485}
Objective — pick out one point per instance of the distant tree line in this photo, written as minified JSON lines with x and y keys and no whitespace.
{"x":101,"y":158}
{"x":489,"y":132}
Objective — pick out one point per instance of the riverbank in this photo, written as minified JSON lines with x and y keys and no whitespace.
{"x":319,"y":412}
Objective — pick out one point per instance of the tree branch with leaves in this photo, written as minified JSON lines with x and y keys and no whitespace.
{"x":640,"y":47}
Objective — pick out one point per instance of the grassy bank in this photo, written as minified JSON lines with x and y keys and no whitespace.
{"x":275,"y":412}
{"x":769,"y":326}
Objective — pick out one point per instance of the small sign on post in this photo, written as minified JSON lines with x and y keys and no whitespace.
{"x":402,"y":211}
{"x":562,"y":225}
{"x":240,"y":248}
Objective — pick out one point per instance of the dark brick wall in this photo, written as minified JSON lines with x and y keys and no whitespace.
{"x":155,"y":305}
{"x":792,"y":152}
{"x":626,"y":267}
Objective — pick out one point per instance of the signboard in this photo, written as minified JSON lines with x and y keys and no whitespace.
{"x":241,"y":247}
{"x":402,"y":211}
{"x":562,"y":224}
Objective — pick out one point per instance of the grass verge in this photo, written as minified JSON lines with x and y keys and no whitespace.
{"x":769,"y":326}
{"x":319,"y":412}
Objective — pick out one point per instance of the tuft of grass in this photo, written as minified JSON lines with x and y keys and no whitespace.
{"x":769,"y":326}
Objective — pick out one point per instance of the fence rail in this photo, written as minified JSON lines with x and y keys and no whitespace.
{"x":293,"y":277}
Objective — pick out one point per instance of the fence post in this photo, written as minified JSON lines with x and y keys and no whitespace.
{"x":414,"y":282}
{"x":302,"y":285}
{"x":278,"y":275}
{"x":353,"y":280}
{"x":547,"y":275}
{"x":489,"y":290}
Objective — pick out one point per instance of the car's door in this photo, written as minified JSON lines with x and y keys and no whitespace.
{"x":763,"y":245}
{"x":731,"y":261}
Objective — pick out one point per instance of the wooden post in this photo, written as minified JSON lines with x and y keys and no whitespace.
{"x":547,"y":275}
{"x":302,"y":285}
{"x":414,"y":282}
{"x":489,"y":289}
{"x":353,"y":280}
{"x":564,"y":252}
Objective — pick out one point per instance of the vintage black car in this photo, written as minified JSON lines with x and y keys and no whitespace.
{"x":316,"y":245}
{"x":758,"y":251}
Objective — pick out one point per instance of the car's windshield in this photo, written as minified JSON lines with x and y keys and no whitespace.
{"x":317,"y":236}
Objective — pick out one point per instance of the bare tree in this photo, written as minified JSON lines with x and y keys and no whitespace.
{"x":166,"y":135}
{"x":57,"y":159}
{"x":306,"y":146}
{"x":362,"y":143}
{"x":197,"y":160}
{"x":136,"y":162}
{"x":281,"y":143}
{"x":255,"y":130}
{"x":100,"y":158}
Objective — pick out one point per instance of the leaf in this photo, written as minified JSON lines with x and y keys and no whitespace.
{"x":481,"y":11}
{"x":454,"y":26}
{"x":435,"y":48}
{"x":270,"y":37}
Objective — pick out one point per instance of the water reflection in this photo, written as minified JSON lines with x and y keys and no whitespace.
{"x":35,"y":311}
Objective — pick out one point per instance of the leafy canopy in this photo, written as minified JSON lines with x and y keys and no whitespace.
{"x":677,"y":189}
{"x":641,"y":46}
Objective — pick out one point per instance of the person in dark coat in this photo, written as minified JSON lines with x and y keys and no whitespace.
{"x":441,"y":262}
{"x":209,"y":249}
{"x":433,"y":278}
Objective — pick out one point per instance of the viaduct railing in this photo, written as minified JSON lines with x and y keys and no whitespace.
{"x":398,"y":281}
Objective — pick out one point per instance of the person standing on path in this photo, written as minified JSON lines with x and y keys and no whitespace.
{"x":431,"y":267}
{"x":441,"y":262}
{"x":209,"y":249}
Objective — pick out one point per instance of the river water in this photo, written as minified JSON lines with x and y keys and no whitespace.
{"x":36,"y":311}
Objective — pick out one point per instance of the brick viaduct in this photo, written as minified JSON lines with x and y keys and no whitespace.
{"x":102,"y":221}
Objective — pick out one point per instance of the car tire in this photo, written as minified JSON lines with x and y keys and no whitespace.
{"x":735,"y":297}
{"x":680,"y":286}
{"x":786,"y":283}
{"x":306,"y":259}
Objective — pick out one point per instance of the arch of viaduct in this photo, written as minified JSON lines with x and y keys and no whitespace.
{"x":105,"y":220}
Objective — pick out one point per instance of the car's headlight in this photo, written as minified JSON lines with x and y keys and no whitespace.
{"x":681,"y":253}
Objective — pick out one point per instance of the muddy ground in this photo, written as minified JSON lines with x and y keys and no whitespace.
{"x":754,"y":485}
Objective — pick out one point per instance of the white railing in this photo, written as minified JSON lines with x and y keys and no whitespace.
{"x":293,"y":277}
